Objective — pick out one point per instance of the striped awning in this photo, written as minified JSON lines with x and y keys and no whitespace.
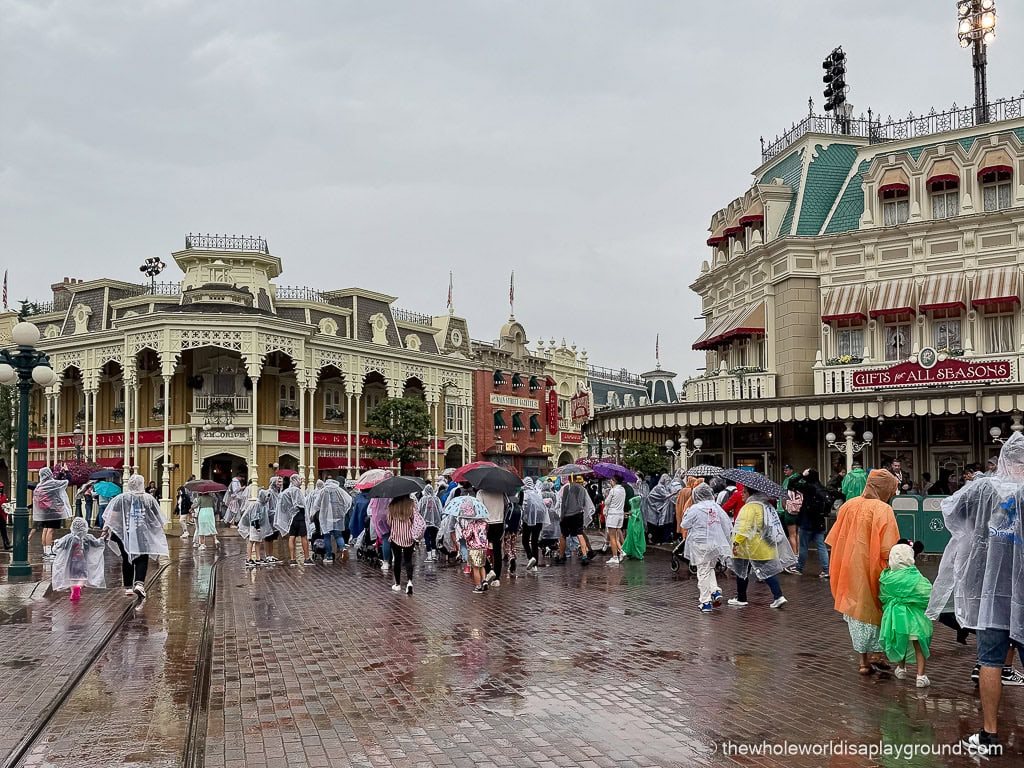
{"x":894,"y":179}
{"x":845,"y":302}
{"x":943,"y":170}
{"x":743,"y":321}
{"x":945,"y":291}
{"x":895,"y":297}
{"x":997,"y":286}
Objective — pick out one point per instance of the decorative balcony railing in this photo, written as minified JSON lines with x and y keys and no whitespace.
{"x":568,"y":425}
{"x":237,"y":403}
{"x":876,"y":131}
{"x":744,"y":386}
{"x":415,"y":318}
{"x":299,"y":293}
{"x":227,"y":243}
{"x":610,"y":374}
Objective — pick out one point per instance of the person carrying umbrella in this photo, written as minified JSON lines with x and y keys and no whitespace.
{"x":471,"y":527}
{"x":760,"y":545}
{"x":136,"y":526}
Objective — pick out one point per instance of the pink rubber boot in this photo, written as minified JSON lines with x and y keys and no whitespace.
{"x":76,"y":593}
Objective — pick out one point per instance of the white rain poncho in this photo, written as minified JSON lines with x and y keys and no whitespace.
{"x":760,"y":545}
{"x":430,"y":507}
{"x":709,"y":529}
{"x":333,"y":505}
{"x":981,"y":576}
{"x":50,"y":498}
{"x":289,"y":503}
{"x":534,"y":511}
{"x":135,"y":518}
{"x":659,"y":506}
{"x":551,"y":529}
{"x":235,"y":500}
{"x":255,"y":519}
{"x":79,"y":558}
{"x":312,"y":499}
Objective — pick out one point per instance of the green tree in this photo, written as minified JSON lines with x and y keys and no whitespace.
{"x":403,"y":425}
{"x":648,"y":458}
{"x":27,"y":309}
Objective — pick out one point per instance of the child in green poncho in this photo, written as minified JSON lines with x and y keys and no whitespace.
{"x":906,"y":633}
{"x":635,"y":543}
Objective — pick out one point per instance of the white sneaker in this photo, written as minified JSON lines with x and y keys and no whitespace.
{"x":778,"y":603}
{"x":185,"y":535}
{"x":385,"y":567}
{"x":202,"y":547}
{"x":129,"y":592}
{"x":923,"y":681}
{"x":491,"y":576}
{"x":532,"y":563}
{"x":612,"y":561}
{"x":495,"y":583}
{"x":900,"y":673}
{"x":736,"y":603}
{"x":396,"y":588}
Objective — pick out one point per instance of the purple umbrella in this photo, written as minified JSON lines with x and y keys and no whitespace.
{"x":606,"y":470}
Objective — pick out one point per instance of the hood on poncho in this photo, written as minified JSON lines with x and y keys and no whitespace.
{"x":45,"y":474}
{"x":881,"y":485}
{"x":294,"y":482}
{"x":901,"y":556}
{"x":136,"y":484}
{"x":528,"y":483}
{"x":702,"y":492}
{"x":79,"y":527}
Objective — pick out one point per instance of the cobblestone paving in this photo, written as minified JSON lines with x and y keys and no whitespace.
{"x":594,"y":667}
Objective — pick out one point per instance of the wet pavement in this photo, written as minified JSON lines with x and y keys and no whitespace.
{"x":325,"y":666}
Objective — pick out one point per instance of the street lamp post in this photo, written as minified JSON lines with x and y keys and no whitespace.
{"x":682,"y":452}
{"x":22,"y":368}
{"x":976,"y":28}
{"x":78,"y":440}
{"x":849,"y":446}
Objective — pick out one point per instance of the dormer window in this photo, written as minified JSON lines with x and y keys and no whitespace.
{"x":996,"y":188}
{"x":895,"y":204}
{"x":945,"y":198}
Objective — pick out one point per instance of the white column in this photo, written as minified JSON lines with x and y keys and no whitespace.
{"x":165,"y":486}
{"x":311,"y":468}
{"x":348,"y":429}
{"x":135,"y":427}
{"x":92,"y":432}
{"x":126,"y":445}
{"x":356,"y":437}
{"x":302,"y":435}
{"x":849,"y":434}
{"x":49,"y":425}
{"x":85,"y":425}
{"x":254,"y":472}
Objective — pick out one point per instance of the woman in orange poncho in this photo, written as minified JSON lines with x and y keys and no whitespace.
{"x":685,"y":499}
{"x":864,"y":532}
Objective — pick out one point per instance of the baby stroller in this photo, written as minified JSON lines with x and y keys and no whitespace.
{"x":677,"y":558}
{"x":366,"y":549}
{"x":318,"y":547}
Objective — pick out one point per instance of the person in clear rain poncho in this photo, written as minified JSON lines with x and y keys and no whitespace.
{"x":272,"y":534}
{"x":574,"y":504}
{"x":312,"y":499}
{"x":252,"y":524}
{"x":234,"y":501}
{"x":332,"y":509}
{"x":135,"y":523}
{"x":430,"y":510}
{"x":535,"y":517}
{"x":760,"y":548}
{"x":708,"y":532}
{"x":659,"y":507}
{"x":981,"y":576}
{"x":78,"y":561}
{"x":50,"y":507}
{"x":290,"y":519}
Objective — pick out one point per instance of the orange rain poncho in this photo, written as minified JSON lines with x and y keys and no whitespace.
{"x":864,"y":532}
{"x":685,"y":498}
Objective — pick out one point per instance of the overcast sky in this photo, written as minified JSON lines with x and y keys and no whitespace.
{"x":583,"y":143}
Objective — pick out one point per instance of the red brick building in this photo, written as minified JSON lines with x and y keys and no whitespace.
{"x":511,"y":419}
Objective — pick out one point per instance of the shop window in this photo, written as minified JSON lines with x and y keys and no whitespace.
{"x":945,"y":199}
{"x":996,"y":190}
{"x":517,"y":422}
{"x":895,"y":207}
{"x":998,"y":330}
{"x":517,"y":381}
{"x":897,"y":341}
{"x":373,"y":395}
{"x":850,"y":342}
{"x":948,"y":334}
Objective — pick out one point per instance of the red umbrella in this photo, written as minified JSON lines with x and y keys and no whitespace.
{"x":285,"y":472}
{"x":459,"y":475}
{"x":205,"y":486}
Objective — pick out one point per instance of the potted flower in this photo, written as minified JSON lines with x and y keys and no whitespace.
{"x":118,"y":413}
{"x":334,"y":414}
{"x":289,"y":412}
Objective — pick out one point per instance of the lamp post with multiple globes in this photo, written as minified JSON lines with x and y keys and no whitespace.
{"x":23,"y":368}
{"x":976,"y":28}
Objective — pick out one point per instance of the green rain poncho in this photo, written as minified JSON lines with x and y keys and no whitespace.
{"x":635,"y":543}
{"x":854,"y":482}
{"x":904,"y":594}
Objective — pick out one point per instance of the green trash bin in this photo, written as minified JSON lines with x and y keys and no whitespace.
{"x":931,"y":526}
{"x":908,"y":516}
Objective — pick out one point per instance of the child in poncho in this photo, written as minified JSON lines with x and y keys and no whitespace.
{"x":252,"y":526}
{"x":906,"y":633}
{"x":635,"y":543}
{"x":708,"y":532}
{"x":79,"y":560}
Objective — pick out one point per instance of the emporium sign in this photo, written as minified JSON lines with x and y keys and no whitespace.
{"x":291,"y":436}
{"x":929,"y":371}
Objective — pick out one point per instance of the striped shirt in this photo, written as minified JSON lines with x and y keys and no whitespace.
{"x":401,"y":531}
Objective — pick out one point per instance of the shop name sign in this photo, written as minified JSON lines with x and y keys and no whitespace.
{"x":514,"y":402}
{"x":222,"y":435}
{"x":579,"y":407}
{"x":923,"y":374}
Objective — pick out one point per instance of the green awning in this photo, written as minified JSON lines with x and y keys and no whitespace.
{"x":517,"y":422}
{"x":498,"y":378}
{"x":535,"y":423}
{"x":534,"y":385}
{"x":517,"y":382}
{"x":499,"y":421}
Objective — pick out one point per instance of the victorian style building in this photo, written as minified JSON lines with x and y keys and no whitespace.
{"x":867,"y":283}
{"x":229,"y":373}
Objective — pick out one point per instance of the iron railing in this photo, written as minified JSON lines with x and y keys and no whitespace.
{"x":876,"y":131}
{"x":416,"y":318}
{"x":299,"y":293}
{"x":155,"y":289}
{"x":609,"y":374}
{"x":227,"y":242}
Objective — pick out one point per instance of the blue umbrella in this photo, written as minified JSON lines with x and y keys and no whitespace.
{"x":106,"y":489}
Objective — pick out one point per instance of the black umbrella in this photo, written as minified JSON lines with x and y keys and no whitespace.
{"x":496,"y":479}
{"x":396,"y":487}
{"x":105,"y":474}
{"x":755,"y":482}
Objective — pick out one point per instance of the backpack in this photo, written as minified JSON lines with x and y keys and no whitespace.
{"x":795,"y":501}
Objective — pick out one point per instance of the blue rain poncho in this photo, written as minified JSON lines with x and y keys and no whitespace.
{"x":135,"y":518}
{"x":981,"y":576}
{"x":289,"y":503}
{"x":50,"y":498}
{"x":79,"y":559}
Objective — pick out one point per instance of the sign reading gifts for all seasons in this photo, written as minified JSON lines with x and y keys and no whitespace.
{"x":928,"y":370}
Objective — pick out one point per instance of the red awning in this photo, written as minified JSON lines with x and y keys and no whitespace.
{"x":745,"y":321}
{"x":36,"y":463}
{"x":895,"y":297}
{"x":944,"y":170}
{"x":754,"y":218}
{"x":844,"y":302}
{"x":717,"y":240}
{"x":331,"y":462}
{"x":116,"y":462}
{"x":896,"y":187}
{"x":415,"y":466}
{"x":375,"y":464}
{"x":996,"y":169}
{"x":944,"y":291}
{"x":997,"y":286}
{"x":286,"y":472}
{"x":736,"y":230}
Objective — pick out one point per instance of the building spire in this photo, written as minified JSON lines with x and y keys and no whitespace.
{"x":657,"y":350}
{"x":451,"y":306}
{"x":512,"y":296}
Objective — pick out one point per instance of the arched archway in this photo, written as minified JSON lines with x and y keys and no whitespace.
{"x":564,"y":458}
{"x":454,"y":457}
{"x":222,"y":467}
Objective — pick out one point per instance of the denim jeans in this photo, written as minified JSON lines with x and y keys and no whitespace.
{"x":333,"y":536}
{"x":99,"y":515}
{"x":385,"y":548}
{"x":818,"y":537}
{"x":771,"y":581}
